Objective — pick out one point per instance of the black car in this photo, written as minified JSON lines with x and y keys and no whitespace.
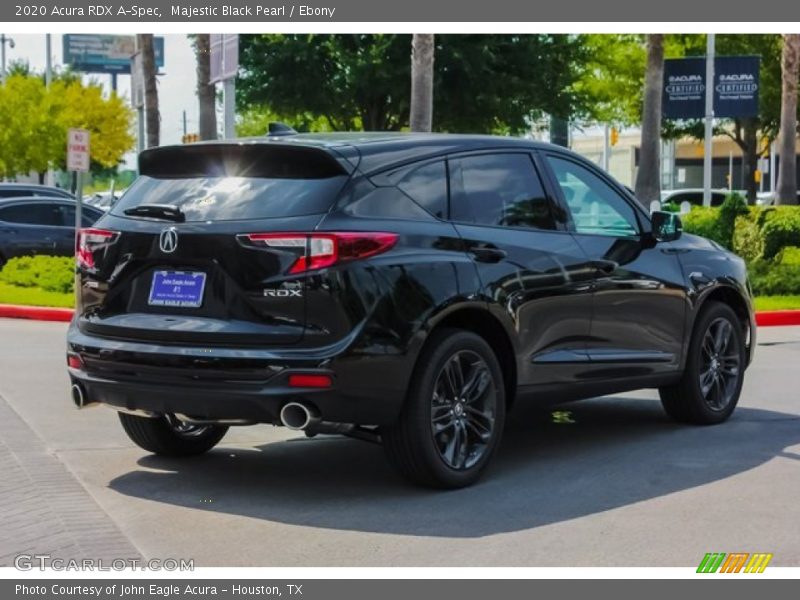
{"x":40,"y":225}
{"x":21,"y":190}
{"x":402,"y":288}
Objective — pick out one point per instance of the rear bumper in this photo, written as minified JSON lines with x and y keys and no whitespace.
{"x":242,"y":384}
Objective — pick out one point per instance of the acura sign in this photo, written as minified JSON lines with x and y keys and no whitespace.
{"x":735,"y":87}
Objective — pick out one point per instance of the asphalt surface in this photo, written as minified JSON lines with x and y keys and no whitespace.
{"x":607,"y":482}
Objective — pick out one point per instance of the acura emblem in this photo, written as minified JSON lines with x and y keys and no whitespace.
{"x":168,"y":240}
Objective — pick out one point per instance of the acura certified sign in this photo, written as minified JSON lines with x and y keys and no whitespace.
{"x":735,"y":87}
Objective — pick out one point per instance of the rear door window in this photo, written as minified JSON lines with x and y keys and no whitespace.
{"x":501,"y":189}
{"x":234,"y":198}
{"x":31,"y":213}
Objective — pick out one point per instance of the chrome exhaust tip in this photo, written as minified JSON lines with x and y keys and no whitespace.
{"x":78,"y":395}
{"x":296,"y":416}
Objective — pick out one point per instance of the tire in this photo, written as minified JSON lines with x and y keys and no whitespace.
{"x":167,"y":436}
{"x":436,"y":458}
{"x":721,"y":368}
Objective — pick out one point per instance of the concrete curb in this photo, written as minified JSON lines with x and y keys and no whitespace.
{"x":767,"y":318}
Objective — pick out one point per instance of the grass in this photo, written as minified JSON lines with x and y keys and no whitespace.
{"x":777,"y":302}
{"x":29,"y":296}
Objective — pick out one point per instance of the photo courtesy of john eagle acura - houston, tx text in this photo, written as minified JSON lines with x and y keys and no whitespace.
{"x":405,"y":289}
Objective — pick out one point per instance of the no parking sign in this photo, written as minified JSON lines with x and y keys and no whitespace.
{"x":78,"y":150}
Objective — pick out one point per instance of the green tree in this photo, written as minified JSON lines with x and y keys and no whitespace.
{"x":34,"y":122}
{"x":482,"y":83}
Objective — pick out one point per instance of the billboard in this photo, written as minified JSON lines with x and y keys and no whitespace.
{"x":100,"y":53}
{"x":736,"y":83}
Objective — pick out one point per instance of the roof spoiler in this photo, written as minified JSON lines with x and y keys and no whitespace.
{"x":235,"y":159}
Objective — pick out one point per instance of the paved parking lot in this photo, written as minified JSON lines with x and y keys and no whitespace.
{"x":611,"y":483}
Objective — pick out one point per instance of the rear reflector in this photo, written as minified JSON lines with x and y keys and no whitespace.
{"x":89,"y":241}
{"x":74,"y":361}
{"x":324,"y":250}
{"x":310,"y":381}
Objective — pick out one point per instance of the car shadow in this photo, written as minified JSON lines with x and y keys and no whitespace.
{"x":583,"y":459}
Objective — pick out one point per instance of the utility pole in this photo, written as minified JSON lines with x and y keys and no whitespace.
{"x":48,"y":79}
{"x":709,"y":128}
{"x":4,"y":39}
{"x":606,"y":147}
{"x":184,"y":122}
{"x":229,"y":101}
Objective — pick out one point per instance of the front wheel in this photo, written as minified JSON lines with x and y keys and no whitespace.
{"x":169,"y":436}
{"x":712,"y":380}
{"x":454,"y":414}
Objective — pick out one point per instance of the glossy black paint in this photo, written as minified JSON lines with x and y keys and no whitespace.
{"x":569,"y":314}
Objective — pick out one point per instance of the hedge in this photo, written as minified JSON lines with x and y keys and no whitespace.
{"x":50,"y":273}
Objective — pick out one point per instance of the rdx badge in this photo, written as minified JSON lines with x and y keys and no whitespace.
{"x":283,"y":293}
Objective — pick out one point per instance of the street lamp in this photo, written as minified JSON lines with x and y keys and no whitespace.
{"x":4,"y":39}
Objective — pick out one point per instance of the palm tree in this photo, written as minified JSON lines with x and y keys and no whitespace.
{"x":787,"y":174}
{"x":648,"y":178}
{"x":206,"y":93}
{"x":421,"y":114}
{"x":152,"y":117}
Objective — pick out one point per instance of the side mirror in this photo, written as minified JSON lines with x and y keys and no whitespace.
{"x":667,"y":226}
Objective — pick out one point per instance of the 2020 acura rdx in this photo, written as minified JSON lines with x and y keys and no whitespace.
{"x":402,"y":288}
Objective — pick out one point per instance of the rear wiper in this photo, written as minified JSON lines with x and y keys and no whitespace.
{"x":168,"y":212}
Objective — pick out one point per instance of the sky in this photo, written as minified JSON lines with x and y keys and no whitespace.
{"x":176,"y":87}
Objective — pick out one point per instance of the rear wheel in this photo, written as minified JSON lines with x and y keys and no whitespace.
{"x":454,"y":414}
{"x":169,"y":436}
{"x":712,"y":380}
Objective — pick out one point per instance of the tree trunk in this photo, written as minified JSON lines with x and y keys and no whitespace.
{"x":750,"y":157}
{"x":787,"y":174}
{"x":206,"y":92}
{"x":421,"y":114}
{"x":648,"y":177}
{"x":152,"y":117}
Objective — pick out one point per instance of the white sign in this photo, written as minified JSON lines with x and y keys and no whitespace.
{"x":224,"y":59}
{"x":137,"y":81}
{"x":78,"y":150}
{"x":681,"y":175}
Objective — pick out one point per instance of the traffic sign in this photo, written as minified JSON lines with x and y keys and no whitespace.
{"x":78,"y":150}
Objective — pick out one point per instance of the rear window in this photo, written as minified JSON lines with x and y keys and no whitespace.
{"x":234,"y":198}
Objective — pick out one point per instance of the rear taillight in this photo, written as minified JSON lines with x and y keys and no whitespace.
{"x":89,"y":241}
{"x":325,"y":249}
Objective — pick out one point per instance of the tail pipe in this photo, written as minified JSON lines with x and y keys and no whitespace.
{"x":78,"y":395}
{"x":298,"y":417}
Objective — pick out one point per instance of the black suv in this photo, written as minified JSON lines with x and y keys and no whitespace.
{"x":401,"y":288}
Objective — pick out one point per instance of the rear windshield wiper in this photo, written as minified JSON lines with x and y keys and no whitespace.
{"x":168,"y":212}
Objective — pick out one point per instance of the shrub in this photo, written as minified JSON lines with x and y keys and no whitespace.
{"x":748,"y":242}
{"x":780,"y":226}
{"x":51,"y":273}
{"x":704,"y":222}
{"x":773,"y":279}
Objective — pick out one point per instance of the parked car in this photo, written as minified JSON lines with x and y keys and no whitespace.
{"x":20,"y":190}
{"x":693,"y":196}
{"x":768,"y":198}
{"x":403,"y":288}
{"x":43,"y":225}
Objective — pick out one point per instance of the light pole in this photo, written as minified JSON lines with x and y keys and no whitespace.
{"x":709,"y":121}
{"x":4,"y":39}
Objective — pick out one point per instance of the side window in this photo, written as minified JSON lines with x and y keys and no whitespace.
{"x":88,"y":216}
{"x":596,"y":207}
{"x":31,"y":214}
{"x":427,"y":186}
{"x":499,"y":189}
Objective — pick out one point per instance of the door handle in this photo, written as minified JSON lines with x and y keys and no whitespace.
{"x":488,"y":254}
{"x":605,"y":266}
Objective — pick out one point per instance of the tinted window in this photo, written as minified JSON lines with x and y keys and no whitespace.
{"x":499,"y":189}
{"x":31,"y":214}
{"x":596,"y":207}
{"x":427,"y":186}
{"x":15,"y":193}
{"x":230,"y":198}
{"x":88,"y":216}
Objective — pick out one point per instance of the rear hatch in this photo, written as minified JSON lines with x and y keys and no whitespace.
{"x":197,"y":251}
